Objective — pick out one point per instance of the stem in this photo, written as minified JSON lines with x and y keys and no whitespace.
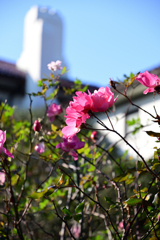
{"x":15,"y":206}
{"x":133,"y":104}
{"x":98,"y":203}
{"x":109,"y":120}
{"x":149,"y":170}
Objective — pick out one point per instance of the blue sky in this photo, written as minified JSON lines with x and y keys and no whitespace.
{"x":103,"y":39}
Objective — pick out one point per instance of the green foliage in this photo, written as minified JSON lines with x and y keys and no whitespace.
{"x":45,"y":195}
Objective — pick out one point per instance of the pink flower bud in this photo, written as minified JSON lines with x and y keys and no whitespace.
{"x":94,"y":135}
{"x":36,"y":126}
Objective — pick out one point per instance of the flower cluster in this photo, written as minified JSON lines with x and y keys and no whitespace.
{"x":78,"y":112}
{"x":151,"y":81}
{"x":2,"y":141}
{"x":54,"y":66}
{"x":53,"y":111}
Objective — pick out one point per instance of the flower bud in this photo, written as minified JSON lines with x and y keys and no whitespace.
{"x":36,"y":126}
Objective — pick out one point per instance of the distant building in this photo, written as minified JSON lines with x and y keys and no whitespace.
{"x":43,"y":43}
{"x":43,"y":36}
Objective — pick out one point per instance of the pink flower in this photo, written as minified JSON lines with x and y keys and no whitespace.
{"x":36,"y":126}
{"x":2,"y":177}
{"x":70,"y":144}
{"x":94,"y":135}
{"x":53,"y":66}
{"x":2,"y":141}
{"x":76,"y":229}
{"x":120,"y":225}
{"x":53,"y":110}
{"x":148,"y":80}
{"x":40,"y":147}
{"x":102,"y":99}
{"x":77,"y":113}
{"x":78,"y":110}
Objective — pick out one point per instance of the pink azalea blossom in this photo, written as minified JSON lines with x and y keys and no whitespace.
{"x":36,"y":126}
{"x":71,"y":144}
{"x":77,"y":113}
{"x":148,"y":80}
{"x":2,"y":177}
{"x":70,"y":131}
{"x":76,"y":230}
{"x":78,"y":110}
{"x":102,"y":99}
{"x":2,"y":141}
{"x":53,"y":110}
{"x":54,"y":66}
{"x":94,"y":135}
{"x":40,"y":147}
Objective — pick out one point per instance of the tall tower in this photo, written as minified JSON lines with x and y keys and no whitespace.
{"x":43,"y":34}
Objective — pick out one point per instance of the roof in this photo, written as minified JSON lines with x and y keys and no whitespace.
{"x":11,"y":70}
{"x":12,"y":80}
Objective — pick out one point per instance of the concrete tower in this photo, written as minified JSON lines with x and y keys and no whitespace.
{"x":43,"y":32}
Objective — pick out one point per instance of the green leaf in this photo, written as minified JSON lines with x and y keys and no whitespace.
{"x":153,"y":134}
{"x":129,"y":180}
{"x":40,"y":83}
{"x":67,"y":217}
{"x":78,"y":82}
{"x":91,"y":169}
{"x":108,"y":200}
{"x":37,"y":195}
{"x":153,"y":238}
{"x":133,"y":201}
{"x":80,"y":207}
{"x":53,"y":95}
{"x":64,"y":70}
{"x":77,"y":217}
{"x":121,"y":178}
{"x":66,"y":211}
{"x":155,"y":166}
{"x":61,"y":180}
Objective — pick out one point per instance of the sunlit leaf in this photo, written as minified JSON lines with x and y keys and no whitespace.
{"x":121,"y":178}
{"x":155,"y":166}
{"x":66,"y":211}
{"x":61,"y":180}
{"x":129,"y":180}
{"x":48,"y":191}
{"x":63,"y":70}
{"x":40,"y":83}
{"x":91,"y":169}
{"x":80,"y":207}
{"x":133,"y":201}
